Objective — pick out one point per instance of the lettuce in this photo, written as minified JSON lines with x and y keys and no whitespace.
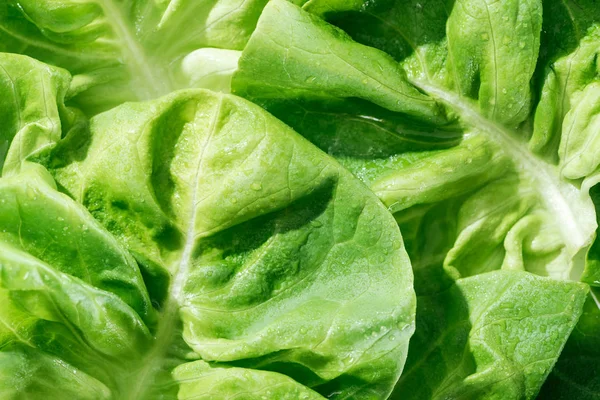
{"x":476,"y":123}
{"x":204,"y":199}
{"x":192,"y":227}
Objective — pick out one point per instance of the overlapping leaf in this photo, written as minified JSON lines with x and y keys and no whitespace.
{"x":473,"y":121}
{"x":128,"y":50}
{"x":514,"y":193}
{"x":557,"y":206}
{"x":254,"y":250}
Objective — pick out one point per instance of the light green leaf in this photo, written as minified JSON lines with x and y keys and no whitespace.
{"x":32,"y":110}
{"x":124,"y":50}
{"x":481,"y":67}
{"x":38,"y":221}
{"x":296,"y":55}
{"x":200,"y":380}
{"x":209,"y":68}
{"x":492,"y":53}
{"x":27,"y":373}
{"x":514,"y":193}
{"x":246,"y":224}
{"x":579,"y":157}
{"x":256,"y":251}
{"x":576,"y":372}
{"x":567,"y":65}
{"x":73,"y":300}
{"x":324,"y":7}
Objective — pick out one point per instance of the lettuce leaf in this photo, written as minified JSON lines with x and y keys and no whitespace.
{"x":497,"y":177}
{"x":121,"y":51}
{"x":160,"y":240}
{"x":201,"y":240}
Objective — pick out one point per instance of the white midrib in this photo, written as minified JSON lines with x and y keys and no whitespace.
{"x":546,"y":176}
{"x":186,"y":256}
{"x":168,"y":318}
{"x":148,"y":83}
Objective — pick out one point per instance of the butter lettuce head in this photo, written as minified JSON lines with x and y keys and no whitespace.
{"x":168,"y":230}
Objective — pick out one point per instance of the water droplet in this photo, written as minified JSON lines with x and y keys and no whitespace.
{"x":31,"y":193}
{"x":256,"y":186}
{"x":60,"y":219}
{"x":522,"y":45}
{"x":84,"y":228}
{"x":485,"y":36}
{"x":310,"y":79}
{"x":348,"y":360}
{"x":504,"y":91}
{"x":303,"y":330}
{"x":234,"y":200}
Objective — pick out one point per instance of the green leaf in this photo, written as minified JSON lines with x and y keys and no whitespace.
{"x":481,"y":67}
{"x":72,"y":298}
{"x":313,"y":59}
{"x":27,"y":373}
{"x":29,"y":201}
{"x":495,"y":335}
{"x":194,"y":246}
{"x":568,"y":63}
{"x":124,"y":50}
{"x":212,"y":232}
{"x":502,"y":182}
{"x":576,"y":374}
{"x":200,"y":380}
{"x":32,"y":110}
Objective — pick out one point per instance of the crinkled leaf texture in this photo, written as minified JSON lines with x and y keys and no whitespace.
{"x":476,"y":123}
{"x":192,"y":246}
